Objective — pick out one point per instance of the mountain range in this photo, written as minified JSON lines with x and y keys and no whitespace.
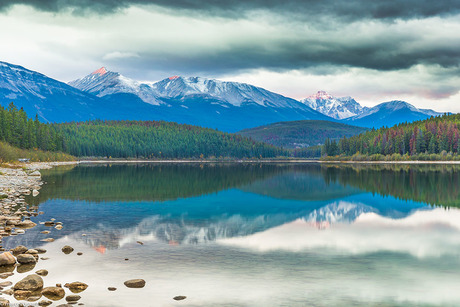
{"x":227,"y":106}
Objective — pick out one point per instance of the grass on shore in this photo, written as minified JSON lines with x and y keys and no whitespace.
{"x":10,"y":153}
{"x":443,"y":156}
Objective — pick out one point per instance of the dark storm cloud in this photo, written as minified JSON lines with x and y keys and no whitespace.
{"x":351,"y":9}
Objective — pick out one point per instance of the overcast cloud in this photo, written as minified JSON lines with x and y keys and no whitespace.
{"x":371,"y":50}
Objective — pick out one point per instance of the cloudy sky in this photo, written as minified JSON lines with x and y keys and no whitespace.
{"x":374,"y":51}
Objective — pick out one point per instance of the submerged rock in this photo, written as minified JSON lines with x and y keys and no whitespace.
{"x":31,"y":282}
{"x":27,"y":267}
{"x":76,"y":287}
{"x":53,"y":293}
{"x":72,"y":298}
{"x":44,"y":303}
{"x":7,"y":258}
{"x":179,"y":298}
{"x":135,"y":283}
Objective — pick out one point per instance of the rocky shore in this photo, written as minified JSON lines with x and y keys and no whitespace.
{"x":16,"y":182}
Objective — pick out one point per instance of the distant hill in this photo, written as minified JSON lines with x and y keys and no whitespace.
{"x":302,"y":133}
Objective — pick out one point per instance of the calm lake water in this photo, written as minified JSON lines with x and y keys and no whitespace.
{"x":253,"y":235}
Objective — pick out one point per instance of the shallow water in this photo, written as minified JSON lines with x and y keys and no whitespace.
{"x":253,"y":235}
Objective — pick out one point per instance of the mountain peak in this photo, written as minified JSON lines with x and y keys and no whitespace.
{"x":321,"y":95}
{"x":335,"y":107}
{"x":173,"y":77}
{"x":101,"y":71}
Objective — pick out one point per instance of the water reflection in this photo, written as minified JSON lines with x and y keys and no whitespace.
{"x":254,"y":235}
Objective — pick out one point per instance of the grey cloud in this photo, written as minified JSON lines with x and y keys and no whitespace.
{"x":316,"y":9}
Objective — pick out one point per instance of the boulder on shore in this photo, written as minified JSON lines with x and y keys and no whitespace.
{"x":7,"y":258}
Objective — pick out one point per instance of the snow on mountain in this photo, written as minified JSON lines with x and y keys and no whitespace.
{"x":339,"y":212}
{"x":389,"y":114}
{"x":103,"y":82}
{"x":335,"y":107}
{"x":38,"y":94}
{"x":232,"y":92}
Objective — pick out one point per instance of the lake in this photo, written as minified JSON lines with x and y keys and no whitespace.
{"x":252,"y":234}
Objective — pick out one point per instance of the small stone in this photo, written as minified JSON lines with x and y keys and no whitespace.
{"x":5,"y":284}
{"x":7,"y":258}
{"x":79,"y":253}
{"x":42,"y":272}
{"x":45,"y":232}
{"x":6,"y":275}
{"x":72,"y":298}
{"x":44,"y":303}
{"x":20,"y":249}
{"x":76,"y":287}
{"x":26,"y":258}
{"x":35,"y":193}
{"x":53,"y":293}
{"x":4,"y":302}
{"x":179,"y":298}
{"x":135,"y":283}
{"x":59,"y":285}
{"x":31,"y":282}
{"x":140,"y":242}
{"x":58,"y":227}
{"x":8,"y":292}
{"x":112,"y":288}
{"x":40,"y":250}
{"x":49,"y":223}
{"x":67,"y":249}
{"x":48,"y":240}
{"x":35,"y":173}
{"x":126,"y":259}
{"x":44,"y":258}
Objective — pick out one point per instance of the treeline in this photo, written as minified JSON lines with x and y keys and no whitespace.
{"x":20,"y":131}
{"x":157,"y":139}
{"x":427,"y":139}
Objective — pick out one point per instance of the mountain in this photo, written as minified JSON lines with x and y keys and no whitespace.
{"x":228,"y":106}
{"x":50,"y":99}
{"x":389,"y":114}
{"x":303,"y":133}
{"x":335,"y":107}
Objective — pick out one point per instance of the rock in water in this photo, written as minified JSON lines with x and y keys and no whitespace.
{"x":44,"y":303}
{"x":36,"y":173}
{"x":42,"y":272}
{"x":179,"y":298}
{"x":112,"y":288}
{"x":7,"y":258}
{"x":72,"y":298}
{"x":26,"y":258}
{"x":135,"y":283}
{"x":76,"y":287}
{"x":5,"y":284}
{"x":67,"y":249}
{"x":53,"y":293}
{"x":30,"y":283}
{"x":20,"y":249}
{"x":35,"y":193}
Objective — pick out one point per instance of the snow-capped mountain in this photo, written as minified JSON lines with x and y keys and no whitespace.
{"x":228,"y":106}
{"x":335,"y":107}
{"x":38,"y":94}
{"x":389,"y":114}
{"x":103,"y":83}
